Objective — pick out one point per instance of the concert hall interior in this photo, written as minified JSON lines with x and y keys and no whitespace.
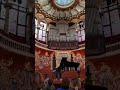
{"x":60,"y":40}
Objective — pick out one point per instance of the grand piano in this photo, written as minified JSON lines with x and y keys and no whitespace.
{"x":66,"y":64}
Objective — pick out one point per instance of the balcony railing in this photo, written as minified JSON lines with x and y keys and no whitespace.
{"x":63,"y":45}
{"x":4,"y":41}
{"x":113,"y":47}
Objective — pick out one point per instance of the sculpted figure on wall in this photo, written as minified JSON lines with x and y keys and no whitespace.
{"x":15,"y":78}
{"x":116,"y":80}
{"x":27,"y":77}
{"x":46,"y":59}
{"x":105,"y":76}
{"x":5,"y":74}
{"x":81,"y":60}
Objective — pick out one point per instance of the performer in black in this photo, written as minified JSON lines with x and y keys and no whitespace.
{"x":57,"y":73}
{"x":78,"y":70}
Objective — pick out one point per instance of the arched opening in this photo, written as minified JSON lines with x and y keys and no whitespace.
{"x":81,"y":31}
{"x":40,"y":30}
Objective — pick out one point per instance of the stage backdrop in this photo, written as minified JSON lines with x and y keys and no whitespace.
{"x":44,"y":59}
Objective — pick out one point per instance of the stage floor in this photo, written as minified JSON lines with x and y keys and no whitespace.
{"x":65,"y":74}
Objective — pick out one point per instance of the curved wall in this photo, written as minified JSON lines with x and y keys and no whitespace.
{"x":44,"y":59}
{"x":105,"y":71}
{"x":15,"y":67}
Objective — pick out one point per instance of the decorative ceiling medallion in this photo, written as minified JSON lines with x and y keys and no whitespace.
{"x":74,"y":9}
{"x":64,"y":3}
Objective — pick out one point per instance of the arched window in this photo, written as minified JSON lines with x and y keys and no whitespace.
{"x":36,"y":26}
{"x":40,"y":30}
{"x":81,"y":31}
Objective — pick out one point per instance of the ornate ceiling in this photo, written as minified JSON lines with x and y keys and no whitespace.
{"x":63,"y":3}
{"x":60,"y":9}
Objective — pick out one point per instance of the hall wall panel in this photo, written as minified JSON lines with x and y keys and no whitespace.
{"x":106,"y":71}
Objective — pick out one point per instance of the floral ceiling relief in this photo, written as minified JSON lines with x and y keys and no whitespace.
{"x":60,"y":9}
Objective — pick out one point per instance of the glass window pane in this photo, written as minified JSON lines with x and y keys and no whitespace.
{"x":12,"y":21}
{"x":22,"y":18}
{"x":40,"y":32}
{"x":63,"y":2}
{"x":44,"y":33}
{"x":43,"y":38}
{"x":2,"y":22}
{"x":3,"y":11}
{"x":79,"y":39}
{"x":105,"y":19}
{"x":83,"y":33}
{"x":79,"y":33}
{"x":76,"y":37}
{"x":36,"y":30}
{"x":107,"y":31}
{"x":21,"y":31}
{"x":115,"y":22}
{"x":83,"y":37}
{"x":40,"y":35}
{"x":36,"y":22}
{"x":12,"y":28}
{"x":35,"y":35}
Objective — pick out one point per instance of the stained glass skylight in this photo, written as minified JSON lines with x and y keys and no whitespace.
{"x":64,"y":3}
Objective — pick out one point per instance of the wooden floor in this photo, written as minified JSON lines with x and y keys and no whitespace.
{"x":65,"y":74}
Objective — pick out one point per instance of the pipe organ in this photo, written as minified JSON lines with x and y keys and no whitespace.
{"x":62,"y":36}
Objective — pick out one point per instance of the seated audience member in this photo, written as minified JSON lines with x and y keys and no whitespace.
{"x":57,"y":73}
{"x":39,"y":81}
{"x":46,"y":81}
{"x":75,"y":84}
{"x":49,"y":85}
{"x":65,"y":84}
